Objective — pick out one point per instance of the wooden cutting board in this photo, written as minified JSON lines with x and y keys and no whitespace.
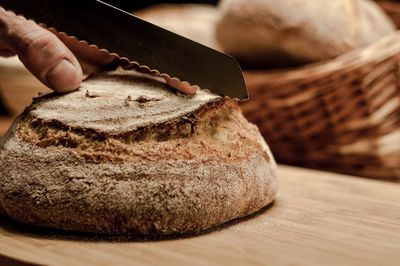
{"x":317,"y":219}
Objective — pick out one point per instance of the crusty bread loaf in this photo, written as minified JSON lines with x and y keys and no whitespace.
{"x":265,"y":33}
{"x":126,"y":154}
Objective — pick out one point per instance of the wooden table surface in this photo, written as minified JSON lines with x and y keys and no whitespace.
{"x":317,"y":219}
{"x":5,"y":123}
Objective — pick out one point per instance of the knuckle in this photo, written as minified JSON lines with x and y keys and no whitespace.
{"x":36,"y":41}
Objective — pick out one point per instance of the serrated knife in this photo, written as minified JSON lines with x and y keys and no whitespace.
{"x":137,"y":41}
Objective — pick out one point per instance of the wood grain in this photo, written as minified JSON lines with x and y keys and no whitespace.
{"x":317,"y":219}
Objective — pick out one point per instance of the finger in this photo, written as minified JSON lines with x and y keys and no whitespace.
{"x":42,"y":53}
{"x":181,"y":86}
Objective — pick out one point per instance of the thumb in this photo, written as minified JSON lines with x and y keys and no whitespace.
{"x":42,"y":53}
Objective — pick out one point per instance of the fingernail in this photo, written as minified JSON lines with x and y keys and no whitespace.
{"x":63,"y":77}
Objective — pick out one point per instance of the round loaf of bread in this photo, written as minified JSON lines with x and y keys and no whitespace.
{"x":127,"y":154}
{"x":271,"y":33}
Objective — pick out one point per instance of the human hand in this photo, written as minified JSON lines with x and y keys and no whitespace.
{"x":52,"y":57}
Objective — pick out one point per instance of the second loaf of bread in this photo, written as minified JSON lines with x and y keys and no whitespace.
{"x":287,"y":32}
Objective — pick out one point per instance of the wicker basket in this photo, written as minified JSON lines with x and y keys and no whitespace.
{"x":392,"y":8}
{"x":342,"y":115}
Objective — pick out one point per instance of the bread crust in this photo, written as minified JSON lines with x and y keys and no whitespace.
{"x":108,"y":182}
{"x":270,"y":33}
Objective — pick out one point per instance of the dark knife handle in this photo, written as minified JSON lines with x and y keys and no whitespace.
{"x":135,"y":4}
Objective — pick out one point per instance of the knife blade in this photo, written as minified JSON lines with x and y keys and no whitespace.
{"x":137,"y":41}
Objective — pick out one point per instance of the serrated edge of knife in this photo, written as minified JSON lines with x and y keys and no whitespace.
{"x":127,"y":64}
{"x":124,"y":62}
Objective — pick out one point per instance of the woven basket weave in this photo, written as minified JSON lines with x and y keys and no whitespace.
{"x":392,"y":8}
{"x":342,"y":115}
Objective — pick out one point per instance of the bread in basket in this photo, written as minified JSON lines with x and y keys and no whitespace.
{"x":342,"y":115}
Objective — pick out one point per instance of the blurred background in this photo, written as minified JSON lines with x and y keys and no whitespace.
{"x":323,"y":75}
{"x":135,"y":5}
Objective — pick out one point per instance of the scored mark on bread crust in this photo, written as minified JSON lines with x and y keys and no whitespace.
{"x":97,"y":146}
{"x":91,"y":95}
{"x":141,"y":100}
{"x":145,"y":99}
